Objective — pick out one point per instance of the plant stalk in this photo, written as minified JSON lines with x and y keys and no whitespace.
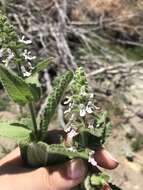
{"x":31,"y":107}
{"x":33,"y":116}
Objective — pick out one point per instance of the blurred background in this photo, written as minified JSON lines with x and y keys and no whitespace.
{"x":106,"y":38}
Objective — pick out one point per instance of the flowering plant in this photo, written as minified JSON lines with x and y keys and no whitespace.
{"x":86,"y":126}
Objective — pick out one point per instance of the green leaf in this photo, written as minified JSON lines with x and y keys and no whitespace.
{"x":54,"y":99}
{"x":43,"y":65}
{"x":99,"y":180}
{"x":42,"y":154}
{"x":14,"y":132}
{"x":36,"y":91}
{"x":95,"y":131}
{"x":33,"y":79}
{"x":34,"y":84}
{"x":17,"y":89}
{"x":101,"y":119}
{"x":106,"y":132}
{"x":17,"y":124}
{"x":87,"y":184}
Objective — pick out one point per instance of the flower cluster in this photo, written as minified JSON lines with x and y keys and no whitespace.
{"x":27,"y":68}
{"x":80,"y":112}
{"x":13,"y":50}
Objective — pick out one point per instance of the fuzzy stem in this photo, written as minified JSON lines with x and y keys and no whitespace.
{"x":31,"y":108}
{"x":33,"y":117}
{"x":83,"y":137}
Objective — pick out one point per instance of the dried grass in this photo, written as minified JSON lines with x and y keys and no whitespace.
{"x":124,"y":16}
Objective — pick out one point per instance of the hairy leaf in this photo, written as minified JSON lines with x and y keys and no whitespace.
{"x":106,"y":132}
{"x":101,"y":119}
{"x":42,"y":65}
{"x":95,"y":132}
{"x":17,"y":89}
{"x":55,"y":97}
{"x":14,"y":132}
{"x":42,"y":154}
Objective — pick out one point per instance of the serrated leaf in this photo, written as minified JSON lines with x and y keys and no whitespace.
{"x":101,"y":119}
{"x":92,"y":137}
{"x":42,"y":154}
{"x":14,"y":132}
{"x":97,"y":132}
{"x":17,"y":89}
{"x":106,"y":132}
{"x":54,"y":98}
{"x":42,"y":65}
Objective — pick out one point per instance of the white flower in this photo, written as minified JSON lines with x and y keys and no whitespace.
{"x":72,"y":149}
{"x":90,"y":126}
{"x":91,"y":96}
{"x":25,"y":73}
{"x":72,"y":133}
{"x":82,"y":91}
{"x":71,"y":105}
{"x":1,"y":52}
{"x":89,"y":107}
{"x":27,"y":55}
{"x":9,"y":58}
{"x":97,"y":107}
{"x":91,"y":158}
{"x":30,"y":66}
{"x":67,"y":101}
{"x":67,"y":111}
{"x":10,"y":54}
{"x":82,"y":110}
{"x":23,"y":40}
{"x":68,"y":129}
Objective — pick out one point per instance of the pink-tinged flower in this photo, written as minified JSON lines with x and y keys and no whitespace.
{"x":23,"y":40}
{"x":72,"y":133}
{"x":82,"y":110}
{"x":91,"y":158}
